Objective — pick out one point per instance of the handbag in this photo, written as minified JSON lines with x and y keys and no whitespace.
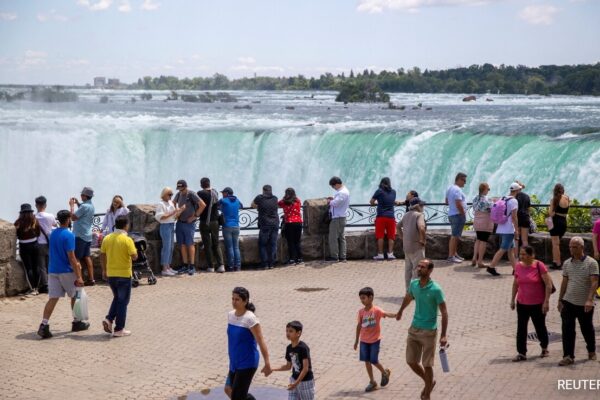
{"x":327,"y":216}
{"x":537,"y":264}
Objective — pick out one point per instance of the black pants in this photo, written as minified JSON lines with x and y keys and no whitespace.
{"x":293,"y":234}
{"x":210,"y":239}
{"x":569,"y":314}
{"x":524,"y":312}
{"x":29,"y":255}
{"x":43,"y":264}
{"x":240,"y":381}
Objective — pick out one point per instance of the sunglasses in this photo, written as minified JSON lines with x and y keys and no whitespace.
{"x":169,"y":194}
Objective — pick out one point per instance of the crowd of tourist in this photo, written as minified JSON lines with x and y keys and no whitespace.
{"x":53,"y":251}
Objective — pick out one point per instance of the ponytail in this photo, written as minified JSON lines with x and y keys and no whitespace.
{"x":250,"y":307}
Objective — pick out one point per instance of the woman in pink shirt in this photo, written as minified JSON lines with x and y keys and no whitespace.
{"x":532,"y":288}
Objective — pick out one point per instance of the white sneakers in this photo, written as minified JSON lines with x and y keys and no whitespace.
{"x":121,"y":333}
{"x":210,"y":269}
{"x":380,"y":257}
{"x":221,"y":269}
{"x":168,"y":272}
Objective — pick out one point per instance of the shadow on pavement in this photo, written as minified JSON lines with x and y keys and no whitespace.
{"x":99,"y":337}
{"x":355,"y":394}
{"x":33,"y":336}
{"x":260,"y":393}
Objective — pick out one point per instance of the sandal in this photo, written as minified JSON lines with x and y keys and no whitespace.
{"x":519,"y":357}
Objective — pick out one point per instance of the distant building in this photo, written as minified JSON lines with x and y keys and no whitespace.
{"x":99,"y":81}
{"x":113,"y":82}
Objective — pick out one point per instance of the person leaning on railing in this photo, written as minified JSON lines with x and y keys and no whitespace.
{"x":558,"y":210}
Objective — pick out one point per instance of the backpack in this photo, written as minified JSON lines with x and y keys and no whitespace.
{"x":499,"y":213}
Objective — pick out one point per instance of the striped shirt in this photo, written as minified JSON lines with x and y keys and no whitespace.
{"x":579,"y":272}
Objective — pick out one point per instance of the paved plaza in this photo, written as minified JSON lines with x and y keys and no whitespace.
{"x":179,"y":343}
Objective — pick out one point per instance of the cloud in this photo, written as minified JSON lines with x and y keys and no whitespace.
{"x":377,"y":6}
{"x":124,"y":6}
{"x":258,"y":68}
{"x":95,"y":6}
{"x":8,"y":16}
{"x":51,"y":16}
{"x":247,"y":60}
{"x":538,"y":14}
{"x":77,"y":63}
{"x":149,"y":5}
{"x":33,"y":58}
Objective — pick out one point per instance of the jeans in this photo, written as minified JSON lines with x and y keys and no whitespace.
{"x":210,"y":239}
{"x":166,"y":234}
{"x":29,"y":255}
{"x":337,"y":240}
{"x":231,"y":236}
{"x":524,"y":312}
{"x":267,"y":245}
{"x":569,"y":314}
{"x":121,"y":288}
{"x":293,"y":234}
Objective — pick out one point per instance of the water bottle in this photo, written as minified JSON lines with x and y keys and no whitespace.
{"x":444,"y":359}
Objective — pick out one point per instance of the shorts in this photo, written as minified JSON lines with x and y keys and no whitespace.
{"x":523,"y":220}
{"x":385,"y":225}
{"x":420,"y":346}
{"x":184,"y":233}
{"x":61,"y":284}
{"x":560,"y":226}
{"x":304,"y":391}
{"x":483,"y":236}
{"x":457,"y":224}
{"x":507,"y":241}
{"x":369,"y":352}
{"x":82,"y":248}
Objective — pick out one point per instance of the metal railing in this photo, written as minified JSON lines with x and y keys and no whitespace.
{"x":436,"y":215}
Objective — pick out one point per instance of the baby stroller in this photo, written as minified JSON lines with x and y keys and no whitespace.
{"x":140,"y":266}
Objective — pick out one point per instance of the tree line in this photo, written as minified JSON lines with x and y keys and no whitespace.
{"x":486,"y":78}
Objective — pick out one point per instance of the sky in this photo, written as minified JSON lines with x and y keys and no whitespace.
{"x":73,"y":41}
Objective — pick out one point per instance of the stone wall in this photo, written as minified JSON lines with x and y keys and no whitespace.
{"x":361,"y":244}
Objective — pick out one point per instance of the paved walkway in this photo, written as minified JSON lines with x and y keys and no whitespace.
{"x":179,"y":343}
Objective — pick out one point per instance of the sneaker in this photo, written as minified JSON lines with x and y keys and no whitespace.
{"x":191,"y":270}
{"x":343,"y":260}
{"x":454,"y":260}
{"x":107,"y":325}
{"x":182,"y":269}
{"x":566,"y":361}
{"x":210,"y":269}
{"x":459,"y":258}
{"x":121,"y":333}
{"x":43,"y":289}
{"x":221,"y":269}
{"x":44,"y":331}
{"x":78,"y":326}
{"x":385,"y":377}
{"x":167,"y":272}
{"x":370,"y":387}
{"x":237,"y":269}
{"x":379,"y":257}
{"x":519,"y":357}
{"x":492,"y":271}
{"x":299,"y":261}
{"x":390,"y":256}
{"x":592,"y":357}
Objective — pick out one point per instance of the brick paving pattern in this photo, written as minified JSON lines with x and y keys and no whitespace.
{"x":179,"y":343}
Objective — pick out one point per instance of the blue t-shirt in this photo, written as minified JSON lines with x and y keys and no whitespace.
{"x":61,"y":242}
{"x":82,"y":228}
{"x":455,"y":193}
{"x":230,"y":207}
{"x":385,"y":202}
{"x":243,"y":352}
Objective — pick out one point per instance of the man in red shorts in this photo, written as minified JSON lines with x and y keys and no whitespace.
{"x":385,"y":222}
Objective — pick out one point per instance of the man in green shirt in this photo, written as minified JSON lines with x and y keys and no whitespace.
{"x":420,"y":344}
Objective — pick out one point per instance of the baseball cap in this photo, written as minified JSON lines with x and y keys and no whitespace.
{"x":227,"y":190}
{"x":515,"y":186}
{"x":181,"y":184}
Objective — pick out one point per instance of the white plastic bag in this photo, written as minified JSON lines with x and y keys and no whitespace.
{"x":80,"y":308}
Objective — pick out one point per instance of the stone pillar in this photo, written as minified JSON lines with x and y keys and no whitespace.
{"x":12,"y":274}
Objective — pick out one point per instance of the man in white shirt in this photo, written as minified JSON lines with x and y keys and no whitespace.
{"x":338,"y":206}
{"x":507,"y":231}
{"x":47,"y":222}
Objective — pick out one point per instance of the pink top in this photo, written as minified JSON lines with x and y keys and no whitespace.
{"x":370,"y":331}
{"x":532,"y":289}
{"x":596,"y":230}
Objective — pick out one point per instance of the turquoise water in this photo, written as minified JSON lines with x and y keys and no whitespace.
{"x":137,"y":149}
